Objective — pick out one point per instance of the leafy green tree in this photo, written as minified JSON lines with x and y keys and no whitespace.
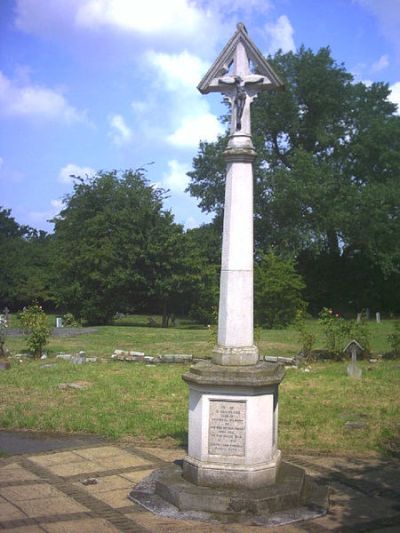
{"x":277,"y":291}
{"x":327,"y":171}
{"x":119,"y":250}
{"x":207,"y":240}
{"x":25,"y":264}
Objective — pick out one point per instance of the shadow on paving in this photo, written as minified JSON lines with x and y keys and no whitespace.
{"x":365,"y":493}
{"x":21,"y":442}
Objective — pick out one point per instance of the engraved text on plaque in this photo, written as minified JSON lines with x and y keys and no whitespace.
{"x":227,"y":427}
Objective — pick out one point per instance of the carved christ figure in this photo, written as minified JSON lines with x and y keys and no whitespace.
{"x":240,"y":89}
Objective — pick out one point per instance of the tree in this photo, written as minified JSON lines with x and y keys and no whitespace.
{"x":327,"y":169}
{"x":207,"y":240}
{"x":25,"y":264}
{"x":118,"y":250}
{"x":277,"y":291}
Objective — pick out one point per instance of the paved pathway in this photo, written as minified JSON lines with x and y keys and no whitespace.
{"x":52,"y":492}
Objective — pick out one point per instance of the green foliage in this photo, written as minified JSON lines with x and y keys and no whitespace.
{"x":118,"y":250}
{"x":34,"y":322}
{"x":277,"y":291}
{"x":69,"y":321}
{"x":326,"y":180}
{"x":207,"y":241}
{"x":335,"y":330}
{"x":338,"y":332}
{"x":25,"y":263}
{"x":394,"y":340}
{"x":306,"y":336}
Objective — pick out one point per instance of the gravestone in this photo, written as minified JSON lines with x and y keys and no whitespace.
{"x":353,"y":348}
{"x":233,"y":466}
{"x":378,"y":318}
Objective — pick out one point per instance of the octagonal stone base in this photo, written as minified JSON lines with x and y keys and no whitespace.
{"x":233,"y":424}
{"x":291,"y":498}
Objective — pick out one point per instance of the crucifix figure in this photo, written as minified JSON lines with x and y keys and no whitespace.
{"x":239,"y":94}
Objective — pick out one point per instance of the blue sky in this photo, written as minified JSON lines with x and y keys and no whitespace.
{"x":111,"y":84}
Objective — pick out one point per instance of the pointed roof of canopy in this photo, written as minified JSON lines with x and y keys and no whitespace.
{"x":221,"y":65}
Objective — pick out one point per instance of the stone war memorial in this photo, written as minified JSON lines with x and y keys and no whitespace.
{"x":233,"y":471}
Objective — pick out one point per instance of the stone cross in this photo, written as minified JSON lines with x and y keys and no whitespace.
{"x":240,"y":72}
{"x":354,"y":348}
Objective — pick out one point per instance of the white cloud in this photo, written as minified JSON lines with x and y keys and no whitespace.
{"x":37,"y":102}
{"x":243,"y":6}
{"x":388,"y":14}
{"x":190,"y":223}
{"x":120,"y":131}
{"x":395,"y":95}
{"x":139,"y":106}
{"x":381,"y":64}
{"x":167,"y":23}
{"x":152,"y":17}
{"x":176,"y":179}
{"x":41,"y":217}
{"x":280,"y":35}
{"x":192,"y":129}
{"x":178,"y":71}
{"x":64,"y":176}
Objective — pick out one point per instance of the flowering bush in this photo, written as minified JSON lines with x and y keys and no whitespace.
{"x":34,"y":323}
{"x":338,"y":332}
{"x":335,"y":330}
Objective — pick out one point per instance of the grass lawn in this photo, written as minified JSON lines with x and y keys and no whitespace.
{"x":150,"y":402}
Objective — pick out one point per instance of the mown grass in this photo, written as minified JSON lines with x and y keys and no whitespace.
{"x":150,"y":402}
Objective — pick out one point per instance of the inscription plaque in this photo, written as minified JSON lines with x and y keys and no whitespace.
{"x":227,"y":427}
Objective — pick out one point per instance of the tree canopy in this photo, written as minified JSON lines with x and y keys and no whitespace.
{"x":119,"y":250}
{"x":326,"y":173}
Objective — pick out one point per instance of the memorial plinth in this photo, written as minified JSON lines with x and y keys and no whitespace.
{"x":233,"y":470}
{"x":233,"y":425}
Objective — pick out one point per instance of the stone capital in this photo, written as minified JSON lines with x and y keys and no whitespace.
{"x":255,"y":376}
{"x":239,"y":154}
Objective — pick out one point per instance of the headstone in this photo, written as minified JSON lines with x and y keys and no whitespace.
{"x":6,"y":312}
{"x":353,"y":349}
{"x":378,"y":318}
{"x":59,"y":323}
{"x":359,"y":317}
{"x":367,"y":313}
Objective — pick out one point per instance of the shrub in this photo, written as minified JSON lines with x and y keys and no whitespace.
{"x":306,"y":337}
{"x":394,"y":340}
{"x":338,"y":332}
{"x":335,"y":330}
{"x":69,"y":321}
{"x":277,"y":291}
{"x":34,"y":323}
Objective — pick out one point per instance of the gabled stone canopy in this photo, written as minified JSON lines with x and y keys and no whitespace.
{"x":227,"y":58}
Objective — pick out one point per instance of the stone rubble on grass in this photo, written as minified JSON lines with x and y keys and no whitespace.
{"x":126,"y":355}
{"x":352,"y":425}
{"x":79,"y":385}
{"x":76,"y":359}
{"x":21,"y":356}
{"x":89,"y":481}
